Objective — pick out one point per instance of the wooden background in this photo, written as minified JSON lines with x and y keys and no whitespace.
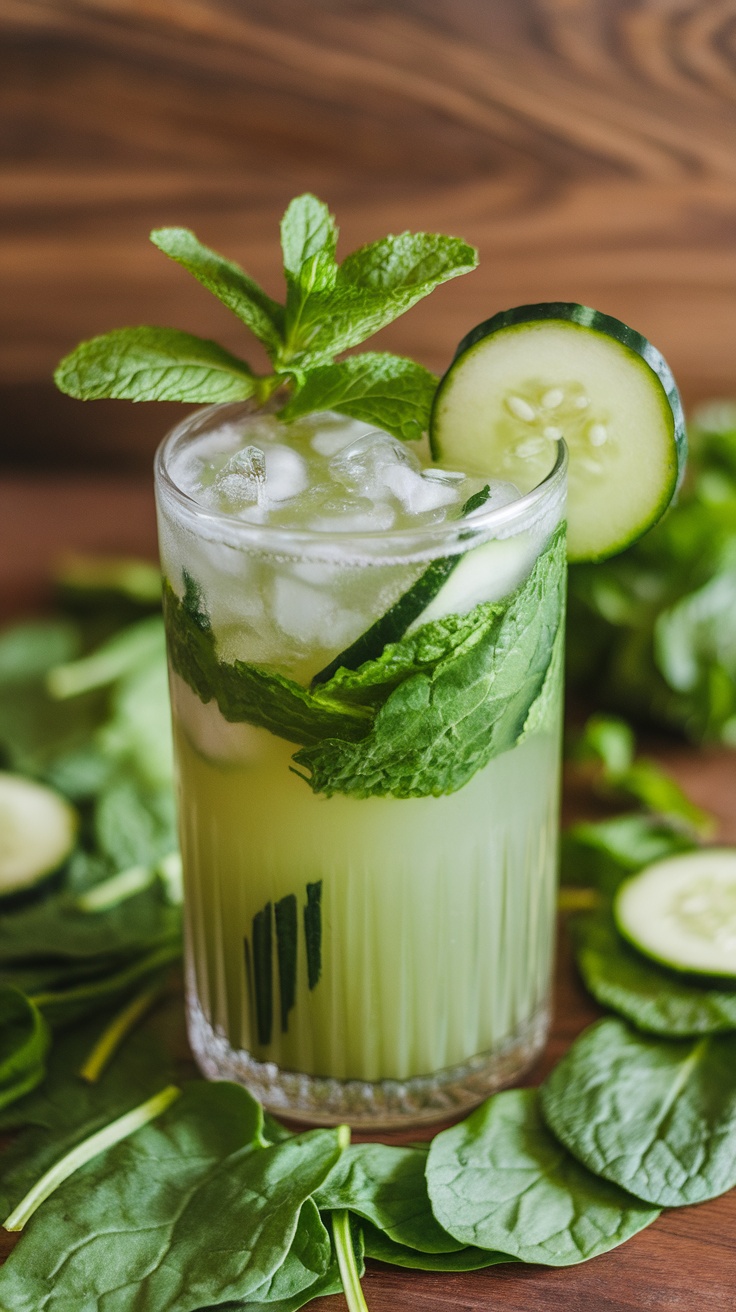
{"x":588,"y":147}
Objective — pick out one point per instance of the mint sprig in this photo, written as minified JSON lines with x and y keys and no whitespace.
{"x":329,"y":308}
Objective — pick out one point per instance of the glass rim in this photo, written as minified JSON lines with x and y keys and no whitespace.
{"x":270,"y":535}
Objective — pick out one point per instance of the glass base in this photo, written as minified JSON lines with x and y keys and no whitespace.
{"x":365,"y":1104}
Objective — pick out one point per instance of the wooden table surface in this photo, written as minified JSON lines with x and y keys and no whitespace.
{"x":588,"y":147}
{"x":685,"y":1262}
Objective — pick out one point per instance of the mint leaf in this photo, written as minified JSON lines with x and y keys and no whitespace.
{"x":307,"y":229}
{"x":227,"y":281}
{"x":419,"y":260}
{"x":154,"y":364}
{"x":437,"y":729}
{"x":544,"y":713}
{"x":386,"y":390}
{"x":372,"y":681}
{"x":365,"y":296}
{"x":247,"y":692}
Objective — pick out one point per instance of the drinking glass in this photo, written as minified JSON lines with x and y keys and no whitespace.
{"x":377,"y":950}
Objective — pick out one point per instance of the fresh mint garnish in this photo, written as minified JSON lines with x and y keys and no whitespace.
{"x":329,"y":308}
{"x":155,"y":364}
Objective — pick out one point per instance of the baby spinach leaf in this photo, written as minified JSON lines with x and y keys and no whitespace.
{"x":57,"y":930}
{"x":500,"y":1180}
{"x":382,"y":1249}
{"x":64,"y":1109}
{"x":654,"y":1116}
{"x":185,"y":1186}
{"x":652,"y":998}
{"x":154,"y":364}
{"x":306,"y":1261}
{"x":70,"y":1000}
{"x":387,"y":1186}
{"x":29,"y":651}
{"x":436,"y":730}
{"x":24,"y":1042}
{"x":227,"y":281}
{"x":605,"y":852}
{"x":389,"y":391}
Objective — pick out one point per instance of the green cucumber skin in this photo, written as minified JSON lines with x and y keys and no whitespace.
{"x":393,"y":624}
{"x":585,"y":317}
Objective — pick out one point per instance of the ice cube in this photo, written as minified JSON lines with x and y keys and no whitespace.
{"x":311,"y":615}
{"x":241,"y":481}
{"x":335,"y":433}
{"x":285,"y":472}
{"x":367,"y":464}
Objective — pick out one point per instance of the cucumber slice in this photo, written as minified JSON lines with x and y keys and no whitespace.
{"x":529,"y":376}
{"x":681,"y":912}
{"x":38,"y":829}
{"x":408,"y":611}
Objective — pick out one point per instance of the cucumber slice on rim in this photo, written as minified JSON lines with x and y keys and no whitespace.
{"x":38,"y":829}
{"x":681,"y":912}
{"x":532,"y":375}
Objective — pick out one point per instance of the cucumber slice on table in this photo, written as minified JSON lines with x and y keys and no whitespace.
{"x":529,"y":376}
{"x":682,"y":911}
{"x":38,"y":829}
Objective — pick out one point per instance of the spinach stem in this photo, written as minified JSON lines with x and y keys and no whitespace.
{"x":346,"y":1262}
{"x":118,"y":1030}
{"x":110,"y":984}
{"x":349,"y":1273}
{"x":85,"y":1151}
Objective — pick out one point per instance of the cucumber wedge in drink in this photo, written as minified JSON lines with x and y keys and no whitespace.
{"x":535,"y":375}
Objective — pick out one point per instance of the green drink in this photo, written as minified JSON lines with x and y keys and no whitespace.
{"x":366,"y":687}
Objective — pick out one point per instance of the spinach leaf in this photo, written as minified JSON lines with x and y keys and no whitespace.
{"x":24,"y":1042}
{"x":610,"y":743}
{"x":605,"y":852}
{"x":382,"y":1249}
{"x":652,"y":998}
{"x":186,"y":1186}
{"x":656,"y":1117}
{"x":57,"y":930}
{"x":436,"y":730}
{"x":500,"y":1180}
{"x":387,"y":1186}
{"x":64,"y":1109}
{"x":307,"y":1260}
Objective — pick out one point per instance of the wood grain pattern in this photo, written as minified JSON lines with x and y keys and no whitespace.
{"x":687,"y":1259}
{"x":586,"y":146}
